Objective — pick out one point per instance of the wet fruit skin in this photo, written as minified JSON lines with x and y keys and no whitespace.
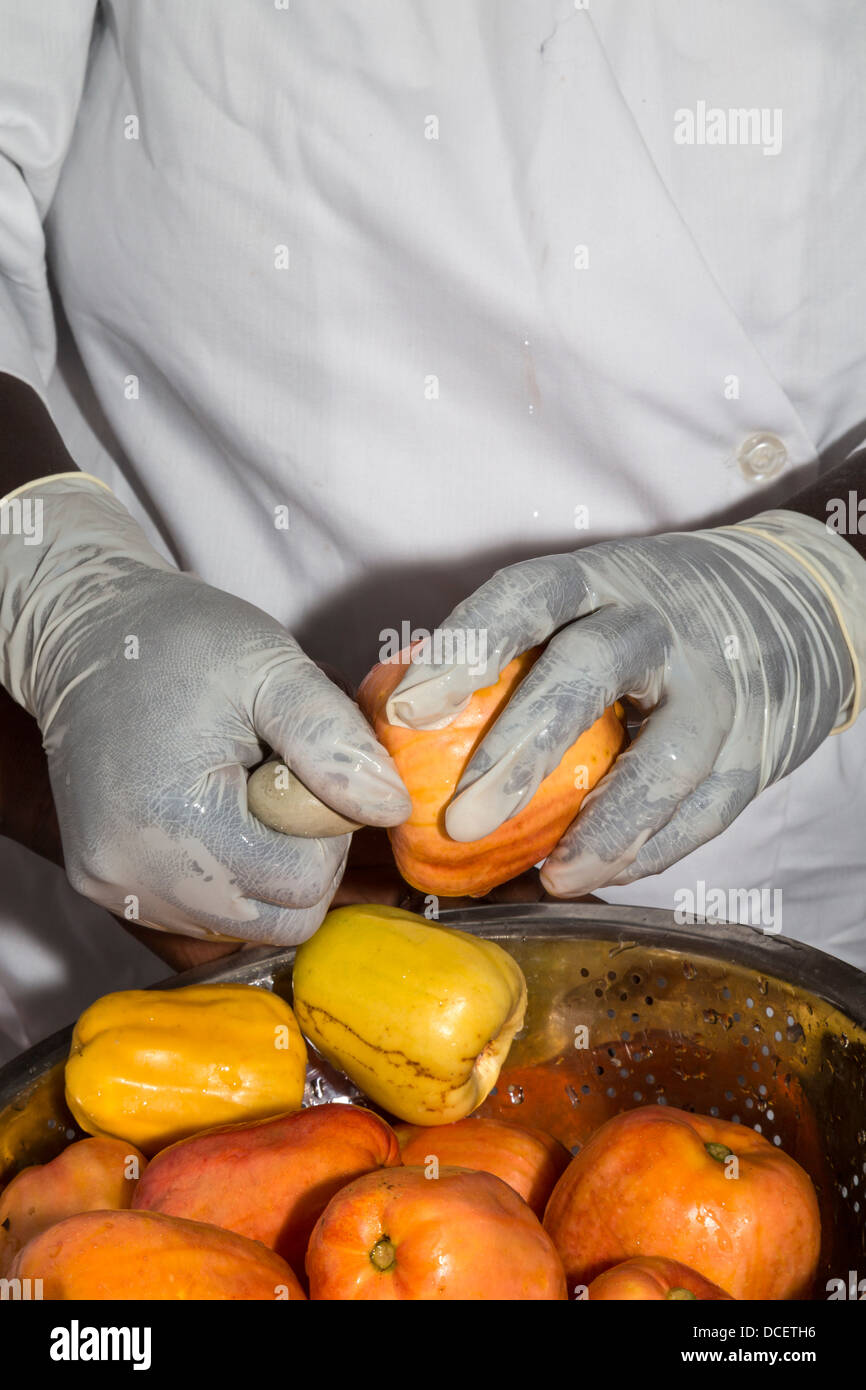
{"x":529,"y":1160}
{"x":420,"y":1016}
{"x":431,"y":762}
{"x":650,"y":1279}
{"x":398,"y":1235}
{"x":153,"y":1066}
{"x":717,"y":1197}
{"x":269,"y":1181}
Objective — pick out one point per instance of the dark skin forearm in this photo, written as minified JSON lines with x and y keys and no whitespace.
{"x":834,"y":498}
{"x":30,"y":446}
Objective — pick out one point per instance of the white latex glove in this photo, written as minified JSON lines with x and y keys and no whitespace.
{"x":731,"y":640}
{"x":147,"y":752}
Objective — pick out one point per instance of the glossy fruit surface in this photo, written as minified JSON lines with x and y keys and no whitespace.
{"x":715,"y":1196}
{"x":398,"y":1235}
{"x":152,"y":1066}
{"x":529,"y":1160}
{"x":650,"y":1279}
{"x":272,"y":1180}
{"x":421,"y":1017}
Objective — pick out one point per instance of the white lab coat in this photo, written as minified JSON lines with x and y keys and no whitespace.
{"x":373,"y":297}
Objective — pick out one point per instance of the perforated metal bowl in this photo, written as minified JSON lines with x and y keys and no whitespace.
{"x":626,"y":1007}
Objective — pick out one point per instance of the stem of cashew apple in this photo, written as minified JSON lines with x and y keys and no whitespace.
{"x":718,"y":1151}
{"x":383,"y":1256}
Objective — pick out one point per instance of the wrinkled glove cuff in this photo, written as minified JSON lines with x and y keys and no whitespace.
{"x":53,"y":478}
{"x":59,"y":550}
{"x":840,"y":573}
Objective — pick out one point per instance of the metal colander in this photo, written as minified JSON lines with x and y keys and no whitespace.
{"x":627,"y":1007}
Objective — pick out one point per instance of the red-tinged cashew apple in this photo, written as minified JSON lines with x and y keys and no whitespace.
{"x":91,"y":1175}
{"x":398,"y":1235}
{"x":715,"y":1196}
{"x":271,"y":1180}
{"x":529,"y":1160}
{"x":650,"y":1279}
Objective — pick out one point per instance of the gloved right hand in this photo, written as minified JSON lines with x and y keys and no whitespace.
{"x":154,"y":693}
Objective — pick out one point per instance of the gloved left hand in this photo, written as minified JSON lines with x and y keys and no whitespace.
{"x":743,"y":642}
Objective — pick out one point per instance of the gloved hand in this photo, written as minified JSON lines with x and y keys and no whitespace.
{"x":154,"y":692}
{"x":730,"y":639}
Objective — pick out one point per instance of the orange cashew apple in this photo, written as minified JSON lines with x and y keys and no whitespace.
{"x":717,"y":1197}
{"x":91,"y":1175}
{"x":431,"y":762}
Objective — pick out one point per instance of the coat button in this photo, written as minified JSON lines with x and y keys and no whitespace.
{"x":761,"y":456}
